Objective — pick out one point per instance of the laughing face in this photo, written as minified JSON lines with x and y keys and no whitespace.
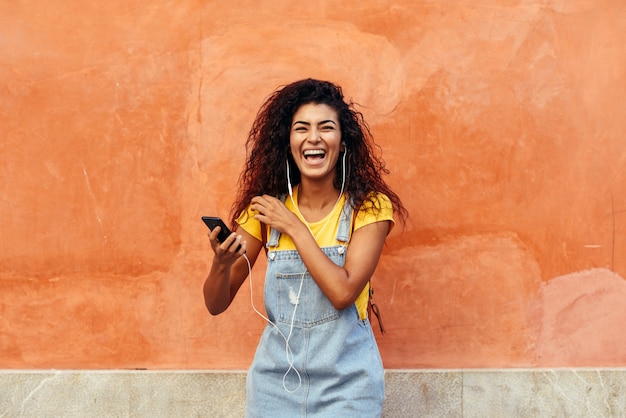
{"x":315,"y":141}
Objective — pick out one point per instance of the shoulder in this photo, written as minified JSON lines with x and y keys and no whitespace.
{"x":376,"y":208}
{"x":249,"y":224}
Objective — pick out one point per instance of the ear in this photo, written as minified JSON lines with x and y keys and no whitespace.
{"x":343,"y":147}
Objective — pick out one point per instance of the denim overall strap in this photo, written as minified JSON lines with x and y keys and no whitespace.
{"x":272,"y":242}
{"x":345,"y":223}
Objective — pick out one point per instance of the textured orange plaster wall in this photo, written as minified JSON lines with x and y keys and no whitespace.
{"x":502,"y":123}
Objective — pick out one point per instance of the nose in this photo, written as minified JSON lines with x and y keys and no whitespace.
{"x":314,"y":135}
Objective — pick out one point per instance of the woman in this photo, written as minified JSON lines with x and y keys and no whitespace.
{"x":312,"y":194}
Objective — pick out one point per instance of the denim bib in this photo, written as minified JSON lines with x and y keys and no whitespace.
{"x":331,"y":366}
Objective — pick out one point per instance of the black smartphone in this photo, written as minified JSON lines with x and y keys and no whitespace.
{"x":212,"y":222}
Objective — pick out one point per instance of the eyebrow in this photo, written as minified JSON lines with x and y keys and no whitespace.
{"x":320,"y":122}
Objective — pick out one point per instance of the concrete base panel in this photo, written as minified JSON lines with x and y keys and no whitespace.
{"x":409,"y":393}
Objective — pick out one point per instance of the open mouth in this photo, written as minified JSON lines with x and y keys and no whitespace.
{"x":314,"y":154}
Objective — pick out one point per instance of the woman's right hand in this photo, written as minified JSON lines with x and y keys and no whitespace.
{"x":229,"y":269}
{"x":230,"y":250}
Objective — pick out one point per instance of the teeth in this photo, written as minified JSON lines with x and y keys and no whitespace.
{"x":313,"y":152}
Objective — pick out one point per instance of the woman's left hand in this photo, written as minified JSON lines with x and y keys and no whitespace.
{"x":273,"y":212}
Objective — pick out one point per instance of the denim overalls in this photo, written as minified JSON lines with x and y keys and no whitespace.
{"x":337,"y":369}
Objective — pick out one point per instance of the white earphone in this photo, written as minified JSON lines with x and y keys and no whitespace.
{"x":288,"y":352}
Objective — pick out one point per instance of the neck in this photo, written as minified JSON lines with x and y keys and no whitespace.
{"x":315,"y":200}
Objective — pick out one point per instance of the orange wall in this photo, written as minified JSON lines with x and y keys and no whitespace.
{"x":502,"y":123}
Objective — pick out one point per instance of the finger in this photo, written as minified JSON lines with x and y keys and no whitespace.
{"x":258,"y":203}
{"x":261,"y":217}
{"x":235,"y":246}
{"x":258,"y":199}
{"x":215,"y":244}
{"x":241,"y":248}
{"x":238,"y":247}
{"x":254,"y":203}
{"x":270,"y":200}
{"x":213,"y":233}
{"x":232,"y":243}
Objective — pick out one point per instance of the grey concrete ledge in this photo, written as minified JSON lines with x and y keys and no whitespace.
{"x":409,"y":393}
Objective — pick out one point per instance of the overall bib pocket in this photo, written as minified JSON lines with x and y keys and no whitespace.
{"x":313,"y":307}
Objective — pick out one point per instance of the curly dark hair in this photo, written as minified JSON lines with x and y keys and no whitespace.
{"x":268,"y":149}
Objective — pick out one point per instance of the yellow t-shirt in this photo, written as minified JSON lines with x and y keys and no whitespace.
{"x":325,"y":230}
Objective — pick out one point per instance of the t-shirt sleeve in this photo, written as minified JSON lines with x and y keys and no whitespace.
{"x":373,"y":210}
{"x":249,"y":224}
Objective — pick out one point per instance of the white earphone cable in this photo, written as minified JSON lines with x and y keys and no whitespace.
{"x":288,"y":352}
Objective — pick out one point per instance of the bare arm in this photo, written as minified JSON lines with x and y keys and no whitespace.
{"x":229,"y":268}
{"x":341,"y":285}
